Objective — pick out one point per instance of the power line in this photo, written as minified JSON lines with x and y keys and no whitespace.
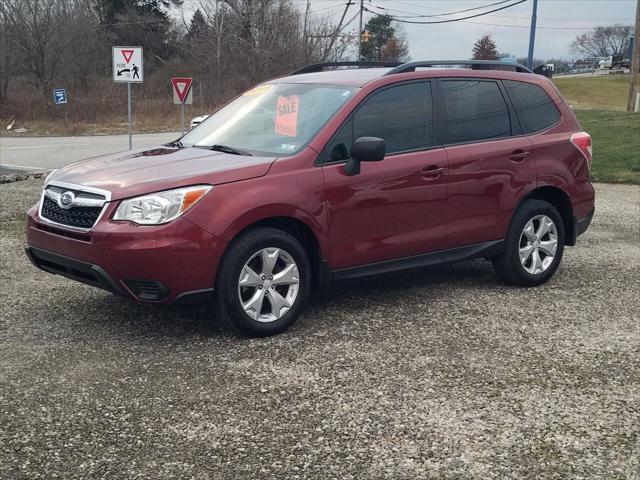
{"x":572,"y":27}
{"x":449,"y":20}
{"x":332,"y":7}
{"x":419,"y":14}
{"x":413,"y":15}
{"x":526,"y":26}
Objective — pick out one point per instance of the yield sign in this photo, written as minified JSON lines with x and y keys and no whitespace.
{"x":181,"y":87}
{"x":127,"y":54}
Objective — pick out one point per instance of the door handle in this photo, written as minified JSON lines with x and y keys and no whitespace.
{"x":432,"y":172}
{"x":519,"y":155}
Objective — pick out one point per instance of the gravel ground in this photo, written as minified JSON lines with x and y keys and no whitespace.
{"x":439,"y":374}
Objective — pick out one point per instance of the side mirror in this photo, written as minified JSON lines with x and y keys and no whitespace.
{"x":365,"y":149}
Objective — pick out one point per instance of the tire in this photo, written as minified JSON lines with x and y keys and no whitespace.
{"x":529,"y":272}
{"x":263,"y":306}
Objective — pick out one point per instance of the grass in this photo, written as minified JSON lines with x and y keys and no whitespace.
{"x":600,"y":103}
{"x":616,"y":145}
{"x":146,"y":119}
{"x":602,"y":92}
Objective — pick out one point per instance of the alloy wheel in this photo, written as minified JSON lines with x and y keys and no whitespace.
{"x":268,"y":284}
{"x":538,"y":244}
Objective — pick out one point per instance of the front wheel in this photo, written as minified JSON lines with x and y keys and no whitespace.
{"x":534,"y":245}
{"x":263,"y":282}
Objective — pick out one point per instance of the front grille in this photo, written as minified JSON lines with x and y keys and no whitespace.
{"x":82,"y":217}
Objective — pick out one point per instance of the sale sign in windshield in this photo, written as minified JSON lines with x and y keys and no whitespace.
{"x":287,"y":115}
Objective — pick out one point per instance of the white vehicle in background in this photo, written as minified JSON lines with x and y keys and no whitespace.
{"x":195,"y":121}
{"x":614,"y":62}
{"x":606,"y":62}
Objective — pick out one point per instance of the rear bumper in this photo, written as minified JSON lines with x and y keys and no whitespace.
{"x":159,"y":264}
{"x":583,"y":224}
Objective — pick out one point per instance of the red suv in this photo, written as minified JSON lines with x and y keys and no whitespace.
{"x":326,"y":175}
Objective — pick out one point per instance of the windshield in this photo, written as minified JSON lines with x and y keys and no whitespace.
{"x":271,"y":120}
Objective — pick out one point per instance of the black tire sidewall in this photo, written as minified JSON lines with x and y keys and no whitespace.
{"x":526,"y":212}
{"x":236,"y":257}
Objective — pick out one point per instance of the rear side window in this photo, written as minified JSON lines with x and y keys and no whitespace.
{"x":400,"y":115}
{"x":535,"y":110}
{"x":476,"y":110}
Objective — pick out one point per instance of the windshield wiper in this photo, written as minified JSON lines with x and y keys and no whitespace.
{"x":225,"y":149}
{"x":176,"y":143}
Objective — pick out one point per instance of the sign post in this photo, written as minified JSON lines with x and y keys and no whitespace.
{"x":129,"y":115}
{"x":128,"y":68}
{"x":60,"y":98}
{"x":182,"y":95}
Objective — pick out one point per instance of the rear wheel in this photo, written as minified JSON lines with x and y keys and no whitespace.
{"x":534,"y":245}
{"x":263,"y":282}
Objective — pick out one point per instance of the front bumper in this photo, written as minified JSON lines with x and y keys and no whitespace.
{"x":160,"y":264}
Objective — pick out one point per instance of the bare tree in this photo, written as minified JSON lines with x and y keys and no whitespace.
{"x":227,"y":47}
{"x":603,"y":41}
{"x":250,"y":40}
{"x":40,"y":33}
{"x":9,"y":59}
{"x":394,"y":50}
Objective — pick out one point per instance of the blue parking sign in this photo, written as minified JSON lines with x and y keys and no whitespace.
{"x":59,"y":96}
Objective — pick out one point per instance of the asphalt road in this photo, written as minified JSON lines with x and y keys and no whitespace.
{"x":439,"y":373}
{"x":32,"y":153}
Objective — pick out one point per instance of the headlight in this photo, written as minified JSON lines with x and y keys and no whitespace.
{"x":161,"y":207}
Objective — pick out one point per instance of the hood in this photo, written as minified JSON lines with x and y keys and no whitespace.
{"x":142,"y":171}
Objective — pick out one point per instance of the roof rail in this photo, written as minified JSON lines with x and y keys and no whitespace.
{"x":318,"y":67}
{"x":475,"y":65}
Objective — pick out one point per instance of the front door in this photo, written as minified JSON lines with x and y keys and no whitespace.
{"x":394,"y":208}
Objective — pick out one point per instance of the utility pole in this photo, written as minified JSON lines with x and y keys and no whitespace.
{"x":633,"y":104}
{"x":336,"y":33}
{"x":532,"y":34}
{"x":360,"y":32}
{"x":306,"y":19}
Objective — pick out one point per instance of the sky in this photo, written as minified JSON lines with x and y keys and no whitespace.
{"x":559,"y":22}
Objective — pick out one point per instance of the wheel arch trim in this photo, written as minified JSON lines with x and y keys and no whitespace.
{"x":560,"y":199}
{"x":291,"y":220}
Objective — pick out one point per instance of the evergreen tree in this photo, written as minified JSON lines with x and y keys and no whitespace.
{"x":139,"y":22}
{"x":198,"y":27}
{"x":485,"y":49}
{"x":383,"y":42}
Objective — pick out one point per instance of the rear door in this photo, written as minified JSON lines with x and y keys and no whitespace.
{"x":393,"y":208}
{"x":490,"y":161}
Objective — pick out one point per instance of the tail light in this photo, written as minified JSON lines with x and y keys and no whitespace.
{"x":582,"y":141}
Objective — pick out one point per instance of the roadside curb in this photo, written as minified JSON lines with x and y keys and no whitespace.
{"x":18,"y":177}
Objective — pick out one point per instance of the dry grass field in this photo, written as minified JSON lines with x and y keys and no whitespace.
{"x":602,"y":92}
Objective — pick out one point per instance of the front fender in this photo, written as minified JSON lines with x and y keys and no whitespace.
{"x":297,"y":194}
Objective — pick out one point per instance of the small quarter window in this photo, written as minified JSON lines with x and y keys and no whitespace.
{"x":535,"y":110}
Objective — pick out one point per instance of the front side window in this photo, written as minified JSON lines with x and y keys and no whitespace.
{"x":278,"y":119}
{"x":476,"y":110}
{"x":535,"y":110}
{"x":402,"y":116}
